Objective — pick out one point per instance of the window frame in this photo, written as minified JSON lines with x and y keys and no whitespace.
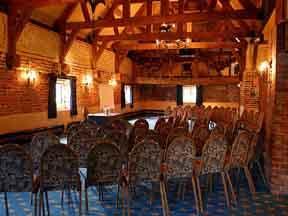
{"x":194,"y":99}
{"x":131,"y":94}
{"x":65,"y":105}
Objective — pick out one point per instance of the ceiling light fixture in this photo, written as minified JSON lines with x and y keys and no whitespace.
{"x":165,"y":28}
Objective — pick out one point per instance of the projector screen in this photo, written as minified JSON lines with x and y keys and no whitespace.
{"x":106,"y":94}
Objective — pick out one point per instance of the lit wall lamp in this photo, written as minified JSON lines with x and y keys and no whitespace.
{"x":113,"y":82}
{"x":29,"y":74}
{"x":265,"y":69}
{"x":265,"y":66}
{"x":87,"y":80}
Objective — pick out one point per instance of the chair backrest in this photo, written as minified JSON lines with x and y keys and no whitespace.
{"x":40,"y":142}
{"x":119,"y":139}
{"x":213,"y":155}
{"x":104,"y":163}
{"x":179,"y":157}
{"x":200,"y":135}
{"x":120,"y":125}
{"x":16,"y":173}
{"x":240,"y":149}
{"x":59,"y":168}
{"x":161,"y":122}
{"x":139,"y":131}
{"x":218,"y":130}
{"x":81,"y":142}
{"x":90,"y":126}
{"x":175,"y":132}
{"x":141,"y":123}
{"x":144,"y":161}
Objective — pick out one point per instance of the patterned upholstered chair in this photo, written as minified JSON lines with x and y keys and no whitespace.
{"x":119,"y":139}
{"x":218,"y":130}
{"x":16,"y":172}
{"x":212,"y":162}
{"x":141,"y":123}
{"x":144,"y":166}
{"x":90,"y":126}
{"x":199,"y":136}
{"x":40,"y":142}
{"x":81,"y":142}
{"x":179,"y":162}
{"x":121,"y":125}
{"x":175,"y":132}
{"x":139,"y":131}
{"x":104,"y":167}
{"x":59,"y":171}
{"x":161,"y":122}
{"x":239,"y":156}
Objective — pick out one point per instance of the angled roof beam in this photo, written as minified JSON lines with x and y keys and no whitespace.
{"x":172,"y":36}
{"x":65,"y":15}
{"x":142,"y":20}
{"x":247,"y":4}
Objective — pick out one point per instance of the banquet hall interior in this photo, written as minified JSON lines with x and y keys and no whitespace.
{"x":139,"y":108}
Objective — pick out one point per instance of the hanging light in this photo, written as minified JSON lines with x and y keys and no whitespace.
{"x":94,"y":3}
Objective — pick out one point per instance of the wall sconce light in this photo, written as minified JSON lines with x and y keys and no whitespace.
{"x":29,"y":74}
{"x":112,"y":82}
{"x":265,"y":66}
{"x":87,"y":80}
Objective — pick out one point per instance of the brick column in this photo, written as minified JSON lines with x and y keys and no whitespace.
{"x":249,"y":91}
{"x":279,"y":145}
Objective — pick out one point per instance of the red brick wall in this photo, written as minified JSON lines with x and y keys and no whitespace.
{"x":211,"y":93}
{"x":279,"y":145}
{"x":17,"y":97}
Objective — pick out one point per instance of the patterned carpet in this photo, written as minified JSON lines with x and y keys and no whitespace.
{"x":263,"y":203}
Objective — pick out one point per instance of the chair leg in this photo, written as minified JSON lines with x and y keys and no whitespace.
{"x":41,"y":204}
{"x":6,"y":204}
{"x":80,"y":200}
{"x":225,"y":189}
{"x":62,"y":198}
{"x":31,"y":199}
{"x":231,"y":188}
{"x":184,"y":190}
{"x":199,"y":195}
{"x":86,"y":197}
{"x":195,"y":194}
{"x":250,"y":180}
{"x":261,"y":172}
{"x":47,"y":202}
{"x":35,"y":204}
{"x":125,"y":196}
{"x":163,"y":199}
{"x":117,"y":196}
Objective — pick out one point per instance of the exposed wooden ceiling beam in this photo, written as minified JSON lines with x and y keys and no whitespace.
{"x":228,"y":7}
{"x":39,"y":3}
{"x":247,"y":4}
{"x":65,"y":15}
{"x":187,"y":81}
{"x":85,"y":11}
{"x":172,"y":36}
{"x":17,"y":19}
{"x":149,"y":13}
{"x":192,"y":45}
{"x":136,"y":21}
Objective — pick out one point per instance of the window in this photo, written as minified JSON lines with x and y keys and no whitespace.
{"x":189,"y":94}
{"x":63,"y":94}
{"x":128,"y":94}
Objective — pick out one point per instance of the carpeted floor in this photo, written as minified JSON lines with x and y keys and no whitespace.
{"x":262,"y":204}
